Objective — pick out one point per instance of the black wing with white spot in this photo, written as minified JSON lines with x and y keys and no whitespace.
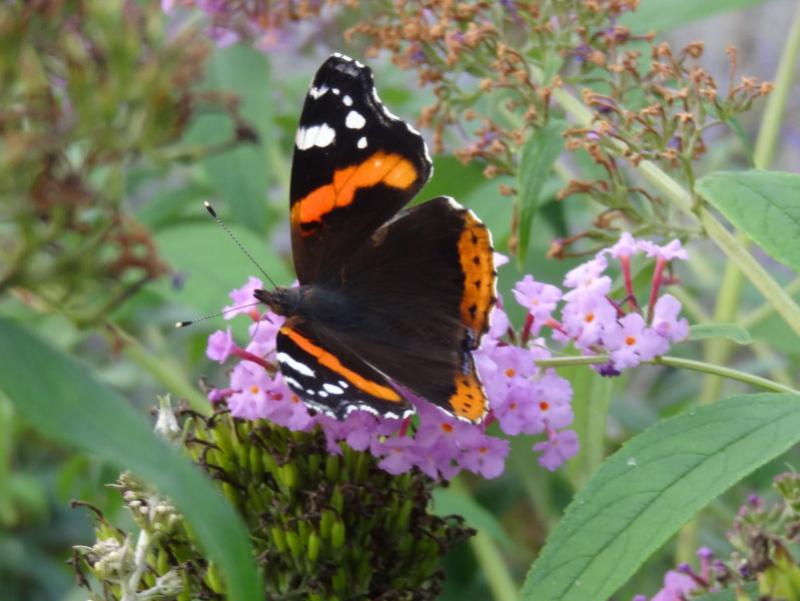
{"x":355,"y":165}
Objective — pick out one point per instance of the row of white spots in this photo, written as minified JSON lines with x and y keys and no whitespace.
{"x":354,"y":120}
{"x":316,"y":135}
{"x":301,"y":368}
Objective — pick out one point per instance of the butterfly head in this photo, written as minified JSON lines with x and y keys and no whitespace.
{"x":283,"y":301}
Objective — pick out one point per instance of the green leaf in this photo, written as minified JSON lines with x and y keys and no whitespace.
{"x":765,"y":205}
{"x":538,"y":156}
{"x":731,"y":331}
{"x":212,"y":265}
{"x":239,"y":176}
{"x":658,"y":15}
{"x":58,"y":395}
{"x":654,"y":484}
{"x":449,"y":502}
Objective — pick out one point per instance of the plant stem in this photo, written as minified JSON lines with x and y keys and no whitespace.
{"x":772,"y":120}
{"x":493,"y":566}
{"x":679,"y":362}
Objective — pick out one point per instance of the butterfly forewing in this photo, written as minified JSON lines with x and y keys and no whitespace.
{"x":355,"y":165}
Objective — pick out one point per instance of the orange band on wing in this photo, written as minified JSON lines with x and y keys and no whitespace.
{"x":381,"y":168}
{"x":477,"y":264}
{"x":331,"y":362}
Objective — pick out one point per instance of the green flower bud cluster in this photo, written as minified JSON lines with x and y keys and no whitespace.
{"x":323,"y":526}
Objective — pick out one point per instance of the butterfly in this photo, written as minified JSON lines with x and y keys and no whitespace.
{"x":389,"y":300}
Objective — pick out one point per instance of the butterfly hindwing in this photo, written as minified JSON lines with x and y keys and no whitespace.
{"x":428,"y":280}
{"x":331,"y":379}
{"x":355,"y":165}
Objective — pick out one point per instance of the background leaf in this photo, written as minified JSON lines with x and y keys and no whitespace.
{"x":211,"y":265}
{"x":644,"y":492}
{"x":763,"y":204}
{"x":538,"y":156}
{"x":66,"y":403}
{"x":239,"y":176}
{"x":658,"y":15}
{"x":731,"y":331}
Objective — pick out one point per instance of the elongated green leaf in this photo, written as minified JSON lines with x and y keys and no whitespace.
{"x":538,"y":156}
{"x":763,"y":204}
{"x":644,"y":492}
{"x":58,"y":395}
{"x":240,"y":176}
{"x":212,"y":265}
{"x":658,"y":15}
{"x":731,"y":331}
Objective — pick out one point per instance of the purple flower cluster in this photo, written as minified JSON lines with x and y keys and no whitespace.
{"x":524,"y":399}
{"x":685,"y":582}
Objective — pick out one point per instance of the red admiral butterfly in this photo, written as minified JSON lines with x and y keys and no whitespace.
{"x":387,"y":298}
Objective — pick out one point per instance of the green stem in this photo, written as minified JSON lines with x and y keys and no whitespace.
{"x":681,"y":363}
{"x":772,"y":120}
{"x":163,"y":369}
{"x":717,"y":351}
{"x":493,"y":566}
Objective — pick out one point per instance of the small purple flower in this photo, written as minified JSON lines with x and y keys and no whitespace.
{"x":397,"y":454}
{"x":518,"y":411}
{"x":586,"y":318}
{"x":668,"y":252}
{"x":487,"y":458}
{"x":665,"y":319}
{"x":220,"y":345}
{"x":588,"y":279}
{"x":632,"y":342}
{"x":243,"y":296}
{"x":626,"y":246}
{"x":539,"y":298}
{"x":676,"y":587}
{"x":557,"y":449}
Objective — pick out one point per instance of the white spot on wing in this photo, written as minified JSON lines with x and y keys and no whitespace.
{"x":336,"y":91}
{"x":310,"y":392}
{"x":323,"y":394}
{"x":290,"y":381}
{"x":362,"y":142}
{"x":316,"y":93}
{"x":332,"y":388}
{"x":316,"y":135}
{"x":354,"y":120}
{"x":343,"y":384}
{"x":347,"y":100}
{"x":291,"y":362}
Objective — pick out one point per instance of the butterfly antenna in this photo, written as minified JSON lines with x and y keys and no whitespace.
{"x":218,"y":219}
{"x":183,"y":324}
